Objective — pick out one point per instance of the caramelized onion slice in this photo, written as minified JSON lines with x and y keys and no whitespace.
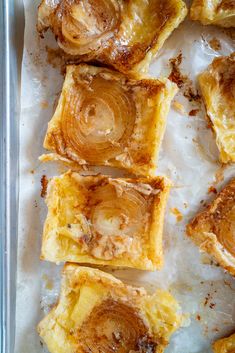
{"x":97,"y":119}
{"x":113,"y":326}
{"x":114,"y":214}
{"x":81,"y":25}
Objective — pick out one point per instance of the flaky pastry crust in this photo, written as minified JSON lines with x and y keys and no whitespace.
{"x":217,"y":84}
{"x":105,"y":221}
{"x":225,"y":345}
{"x":97,"y":312}
{"x":217,"y":12}
{"x":106,"y":118}
{"x":214,"y":229}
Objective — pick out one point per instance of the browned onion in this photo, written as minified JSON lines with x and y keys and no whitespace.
{"x":97,"y":119}
{"x":81,"y":25}
{"x":114,"y":326}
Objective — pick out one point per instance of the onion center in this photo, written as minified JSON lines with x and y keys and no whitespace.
{"x":97,"y":120}
{"x":113,"y":327}
{"x":118,"y":215}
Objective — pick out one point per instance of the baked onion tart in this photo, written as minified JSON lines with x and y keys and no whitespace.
{"x":214,"y":229}
{"x":120,"y":33}
{"x":105,"y":221}
{"x":98,"y":313}
{"x":108,"y":119}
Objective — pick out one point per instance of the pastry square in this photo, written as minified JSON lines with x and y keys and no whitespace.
{"x":213,"y":229}
{"x":105,"y":118}
{"x":216,"y":12}
{"x":120,"y":33}
{"x":217,"y":85}
{"x":225,"y":345}
{"x":105,"y":221}
{"x":98,"y":313}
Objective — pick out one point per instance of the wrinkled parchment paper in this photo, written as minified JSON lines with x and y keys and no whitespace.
{"x":188,"y":156}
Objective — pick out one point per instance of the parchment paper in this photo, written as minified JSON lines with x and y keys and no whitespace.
{"x":188,"y":156}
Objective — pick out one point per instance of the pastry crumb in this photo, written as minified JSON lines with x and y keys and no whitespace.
{"x":212,"y":189}
{"x":177,"y":214}
{"x":193,"y":112}
{"x":179,"y":107}
{"x":215,"y":44}
{"x":44,"y":183}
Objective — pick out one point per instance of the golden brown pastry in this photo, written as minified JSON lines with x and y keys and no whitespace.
{"x":225,"y":345}
{"x":217,"y":12}
{"x":105,"y":118}
{"x":107,"y":221}
{"x":217,"y":84}
{"x":214,"y":229}
{"x":124,"y":34}
{"x":98,"y":313}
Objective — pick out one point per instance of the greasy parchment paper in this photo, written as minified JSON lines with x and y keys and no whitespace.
{"x":188,"y":156}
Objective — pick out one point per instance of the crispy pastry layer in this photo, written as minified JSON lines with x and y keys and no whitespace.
{"x":225,"y":345}
{"x":214,"y":229}
{"x":106,"y":118}
{"x":123,"y":34}
{"x":217,"y":84}
{"x":218,"y":12}
{"x":107,"y":221}
{"x":98,"y":313}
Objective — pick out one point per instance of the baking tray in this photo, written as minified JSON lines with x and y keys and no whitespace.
{"x":11,"y":39}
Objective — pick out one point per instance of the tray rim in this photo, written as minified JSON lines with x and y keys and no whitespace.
{"x":9,"y":170}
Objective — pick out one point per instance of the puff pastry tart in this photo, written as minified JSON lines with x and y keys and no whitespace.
{"x":106,"y":118}
{"x":98,"y":313}
{"x":225,"y":345}
{"x":120,"y":33}
{"x":217,"y":84}
{"x":214,"y":229}
{"x":217,"y":12}
{"x":102,"y":220}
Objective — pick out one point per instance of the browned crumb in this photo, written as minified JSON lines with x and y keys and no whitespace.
{"x":207,"y":299}
{"x":44,"y":183}
{"x":212,"y":305}
{"x":32,"y":171}
{"x":215,"y":44}
{"x":177,"y":214}
{"x":191,"y":93}
{"x":193,"y":112}
{"x":198,"y":317}
{"x":212,"y":189}
{"x":183,"y":81}
{"x":175,"y":75}
{"x":185,"y":205}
